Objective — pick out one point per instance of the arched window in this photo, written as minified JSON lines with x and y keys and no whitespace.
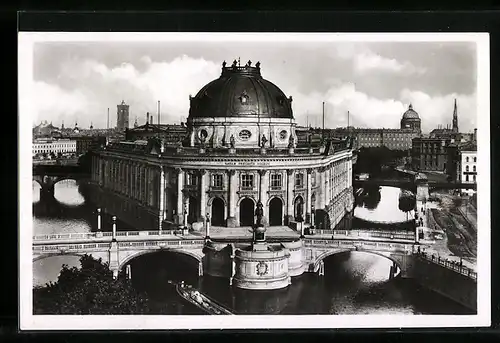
{"x":475,"y":159}
{"x":466,"y":168}
{"x":473,"y":168}
{"x":467,"y":159}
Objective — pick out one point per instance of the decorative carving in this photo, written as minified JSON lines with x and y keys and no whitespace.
{"x":224,"y":64}
{"x":257,"y":65}
{"x":234,"y":64}
{"x":291,"y":142}
{"x":263,"y":141}
{"x":249,"y":63}
{"x":289,"y":172}
{"x":232,"y":141}
{"x":262,"y":172}
{"x":202,"y":172}
{"x":262,"y":268}
{"x":178,"y":170}
{"x":230,"y":172}
{"x":259,"y":213}
{"x":310,"y":170}
{"x":244,"y":98}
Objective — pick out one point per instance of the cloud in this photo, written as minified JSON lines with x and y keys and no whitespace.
{"x":55,"y":104}
{"x":85,"y":88}
{"x":368,"y":61}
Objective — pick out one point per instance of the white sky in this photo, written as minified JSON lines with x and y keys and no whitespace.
{"x":375,"y":81}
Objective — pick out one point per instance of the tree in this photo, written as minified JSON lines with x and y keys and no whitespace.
{"x":406,"y":203}
{"x":90,"y":289}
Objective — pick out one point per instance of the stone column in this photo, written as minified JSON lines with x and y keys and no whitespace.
{"x":308,"y":196}
{"x":233,"y":186}
{"x":321,"y":183}
{"x":327,"y":185}
{"x":161,"y":207}
{"x":203,"y":194}
{"x":263,"y":187}
{"x":289,"y":193}
{"x":180,"y":185}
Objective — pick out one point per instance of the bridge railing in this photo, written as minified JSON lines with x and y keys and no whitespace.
{"x":353,"y":234}
{"x":95,"y":235}
{"x":62,"y":248}
{"x":373,"y":245}
{"x":452,"y":265}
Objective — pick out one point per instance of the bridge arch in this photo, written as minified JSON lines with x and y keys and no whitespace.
{"x":134,"y":255}
{"x":326,"y":254}
{"x":75,"y":254}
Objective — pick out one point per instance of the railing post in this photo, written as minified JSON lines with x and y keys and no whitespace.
{"x":98,"y":219}
{"x":114,"y":228}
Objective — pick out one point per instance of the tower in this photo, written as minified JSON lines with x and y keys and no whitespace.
{"x":122,"y":115}
{"x":455,"y":118}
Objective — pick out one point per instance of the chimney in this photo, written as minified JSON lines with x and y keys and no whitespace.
{"x":158,"y":112}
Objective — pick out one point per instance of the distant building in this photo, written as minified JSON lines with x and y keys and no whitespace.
{"x":86,"y":143}
{"x":45,"y":129}
{"x":47,"y":146}
{"x":122,"y":116}
{"x":394,"y":139}
{"x":429,"y":154}
{"x":468,"y":164}
{"x":169,"y":133}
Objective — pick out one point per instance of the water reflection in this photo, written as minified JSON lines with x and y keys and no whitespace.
{"x":354,"y":283}
{"x":67,"y":193}
{"x":380,"y":204}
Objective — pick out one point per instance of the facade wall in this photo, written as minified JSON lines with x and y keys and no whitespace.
{"x":468,"y":168}
{"x":430,"y":154}
{"x":54,"y":146}
{"x":394,"y":139}
{"x":180,"y":188}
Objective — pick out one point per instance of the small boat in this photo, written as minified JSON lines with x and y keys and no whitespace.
{"x":200,"y":300}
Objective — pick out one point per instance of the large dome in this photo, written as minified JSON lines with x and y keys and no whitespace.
{"x":240,"y":91}
{"x":410,"y":113}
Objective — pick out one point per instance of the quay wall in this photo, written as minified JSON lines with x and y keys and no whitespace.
{"x":447,"y":282}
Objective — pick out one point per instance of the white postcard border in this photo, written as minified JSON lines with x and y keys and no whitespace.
{"x":28,"y":321}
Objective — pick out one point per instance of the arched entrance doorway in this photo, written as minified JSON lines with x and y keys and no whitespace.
{"x":275,"y":212}
{"x":299,"y":209}
{"x":217,"y":217}
{"x":193,"y":210}
{"x":247,"y":212}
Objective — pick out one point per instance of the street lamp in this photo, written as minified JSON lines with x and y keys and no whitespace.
{"x":311,"y":228}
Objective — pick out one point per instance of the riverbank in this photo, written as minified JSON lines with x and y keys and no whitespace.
{"x":459,"y":239}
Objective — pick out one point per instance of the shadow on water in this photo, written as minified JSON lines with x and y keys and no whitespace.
{"x":151,"y":273}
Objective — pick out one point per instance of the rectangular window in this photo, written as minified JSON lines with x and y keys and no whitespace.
{"x":276,"y":182}
{"x":192,"y":179}
{"x":217,"y":181}
{"x":299,"y":180}
{"x":313,"y":179}
{"x":467,"y":178}
{"x":247,"y":181}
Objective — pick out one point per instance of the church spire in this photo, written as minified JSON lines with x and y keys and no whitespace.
{"x":455,"y":117}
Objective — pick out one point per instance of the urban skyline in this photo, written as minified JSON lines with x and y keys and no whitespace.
{"x":88,"y":79}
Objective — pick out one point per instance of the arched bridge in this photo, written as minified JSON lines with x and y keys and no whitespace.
{"x":115,"y":252}
{"x":129,"y":245}
{"x":48,"y":175}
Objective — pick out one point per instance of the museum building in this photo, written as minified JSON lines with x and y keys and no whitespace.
{"x":240,"y":148}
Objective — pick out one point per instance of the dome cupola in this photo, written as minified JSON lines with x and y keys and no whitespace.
{"x":240,"y":91}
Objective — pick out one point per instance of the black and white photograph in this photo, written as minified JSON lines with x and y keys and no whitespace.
{"x":284,"y":180}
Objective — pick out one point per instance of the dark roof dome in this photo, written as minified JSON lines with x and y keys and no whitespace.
{"x":240,"y":91}
{"x":410,"y":113}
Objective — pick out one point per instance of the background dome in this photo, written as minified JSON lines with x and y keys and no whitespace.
{"x":240,"y":91}
{"x":410,"y":113}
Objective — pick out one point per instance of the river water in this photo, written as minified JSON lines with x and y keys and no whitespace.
{"x":354,"y":283}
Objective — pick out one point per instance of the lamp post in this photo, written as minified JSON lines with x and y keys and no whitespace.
{"x":98,"y":219}
{"x":311,"y":228}
{"x":114,"y":228}
{"x":207,"y":235}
